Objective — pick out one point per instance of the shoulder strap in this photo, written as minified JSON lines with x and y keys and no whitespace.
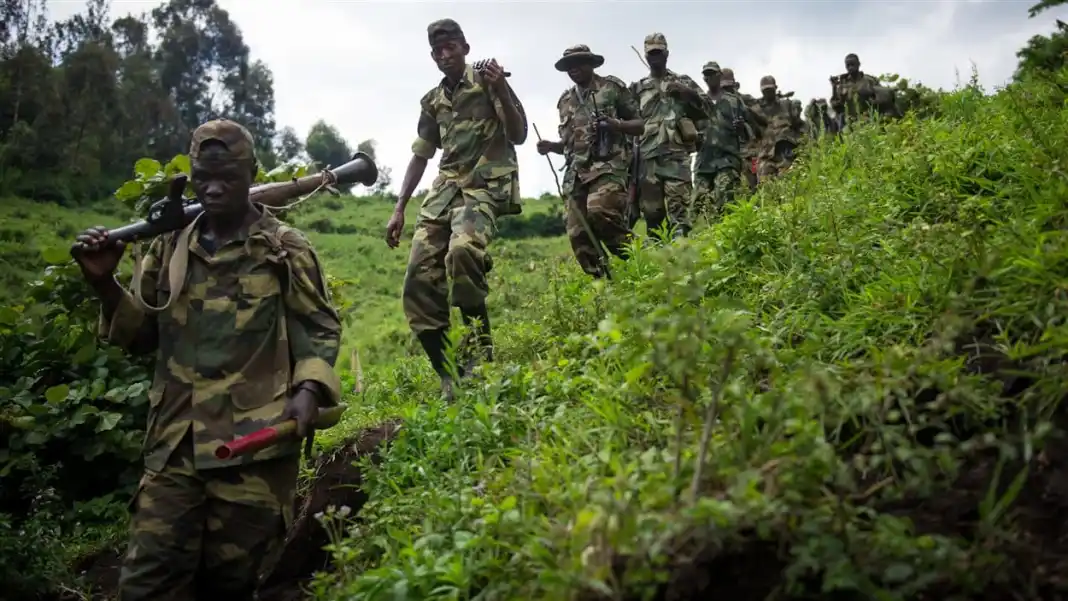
{"x":176,"y":257}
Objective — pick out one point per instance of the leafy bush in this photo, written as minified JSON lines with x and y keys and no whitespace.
{"x":845,"y":388}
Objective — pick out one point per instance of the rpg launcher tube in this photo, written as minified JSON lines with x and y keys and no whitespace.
{"x":261,"y":439}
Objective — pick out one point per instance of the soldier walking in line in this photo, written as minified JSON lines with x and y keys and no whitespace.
{"x":669,"y":104}
{"x":751,"y":147}
{"x":719,"y":158}
{"x":783,"y":133}
{"x":476,"y":120}
{"x":594,"y":115}
{"x":248,"y":338}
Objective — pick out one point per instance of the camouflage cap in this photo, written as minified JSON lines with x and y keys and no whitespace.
{"x":711,"y":67}
{"x":767,"y":83}
{"x":233,"y":135}
{"x":655,"y":41}
{"x":577,"y":55}
{"x":446,"y":28}
{"x":727,"y":77}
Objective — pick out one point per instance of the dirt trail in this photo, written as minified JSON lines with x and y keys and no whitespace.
{"x":337,"y":483}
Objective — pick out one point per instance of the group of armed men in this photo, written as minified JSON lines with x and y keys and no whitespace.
{"x":235,"y":310}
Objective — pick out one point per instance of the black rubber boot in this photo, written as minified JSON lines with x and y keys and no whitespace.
{"x":433,"y":342}
{"x":483,"y":337}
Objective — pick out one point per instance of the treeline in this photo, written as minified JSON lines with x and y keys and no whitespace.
{"x":82,"y":99}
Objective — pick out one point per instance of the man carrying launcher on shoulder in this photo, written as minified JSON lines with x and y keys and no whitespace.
{"x":236,"y":311}
{"x":594,"y":115}
{"x":475,"y":119}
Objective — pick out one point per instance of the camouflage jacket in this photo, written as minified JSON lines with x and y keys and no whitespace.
{"x":784,"y":124}
{"x":721,"y":142}
{"x":666,"y":116}
{"x":752,"y":146}
{"x":611,"y":98}
{"x":252,"y":320}
{"x":467,"y":124}
{"x":853,"y":97}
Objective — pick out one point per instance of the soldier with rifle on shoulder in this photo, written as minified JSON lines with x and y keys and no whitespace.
{"x":595,"y":113}
{"x":474,"y":117}
{"x":236,"y":311}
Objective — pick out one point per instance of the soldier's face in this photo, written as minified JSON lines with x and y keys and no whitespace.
{"x":449,"y":55}
{"x":581,"y":74}
{"x":713,"y":79}
{"x":656,"y":58}
{"x":220,"y":181}
{"x":852,"y":66}
{"x":769,"y":92}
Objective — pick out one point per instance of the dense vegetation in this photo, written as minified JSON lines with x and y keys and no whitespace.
{"x":850,"y":385}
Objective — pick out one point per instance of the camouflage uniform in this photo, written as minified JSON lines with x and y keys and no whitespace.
{"x":819,"y":118}
{"x":249,"y":320}
{"x":854,"y":96}
{"x":595,"y":185}
{"x":751,"y":147}
{"x":782,"y":135}
{"x":669,"y":139}
{"x":719,"y":160}
{"x":478,"y":181}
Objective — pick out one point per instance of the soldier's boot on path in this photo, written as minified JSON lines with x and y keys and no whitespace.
{"x":479,"y":322}
{"x":434,"y":342}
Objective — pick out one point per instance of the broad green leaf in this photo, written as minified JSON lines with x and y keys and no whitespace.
{"x":131,"y":190}
{"x":147,"y":167}
{"x":22,"y":422}
{"x":179,"y":164}
{"x":56,"y":255}
{"x":108,"y":421}
{"x":8,"y":316}
{"x":85,"y":353}
{"x":56,"y":394}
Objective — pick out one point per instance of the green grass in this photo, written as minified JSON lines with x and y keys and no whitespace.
{"x":28,"y":228}
{"x":792,"y":401}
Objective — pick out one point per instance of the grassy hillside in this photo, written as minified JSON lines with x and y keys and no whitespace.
{"x":850,"y":388}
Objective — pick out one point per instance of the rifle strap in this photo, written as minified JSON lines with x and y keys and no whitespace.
{"x":176,"y":257}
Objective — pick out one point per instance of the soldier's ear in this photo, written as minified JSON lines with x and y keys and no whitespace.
{"x":253,"y":170}
{"x":467,"y":49}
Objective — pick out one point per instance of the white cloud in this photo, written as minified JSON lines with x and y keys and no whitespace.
{"x":362,"y":66}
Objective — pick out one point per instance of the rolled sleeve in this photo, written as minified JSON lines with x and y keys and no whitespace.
{"x":423,"y":149}
{"x":313,"y":327}
{"x":429,"y":136}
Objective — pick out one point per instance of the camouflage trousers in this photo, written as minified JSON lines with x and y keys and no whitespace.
{"x":666,"y":192}
{"x":449,"y":257}
{"x":712,"y":192}
{"x":210,"y":534}
{"x":777,"y":161}
{"x":771,"y":167}
{"x":603,"y":202}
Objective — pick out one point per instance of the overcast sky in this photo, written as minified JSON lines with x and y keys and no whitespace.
{"x":363,"y":65}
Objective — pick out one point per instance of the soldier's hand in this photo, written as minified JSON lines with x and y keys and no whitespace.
{"x":494,"y":75}
{"x":304,"y":408}
{"x":611,"y":123}
{"x":394,"y":229}
{"x":544,"y":147}
{"x":97,"y":259}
